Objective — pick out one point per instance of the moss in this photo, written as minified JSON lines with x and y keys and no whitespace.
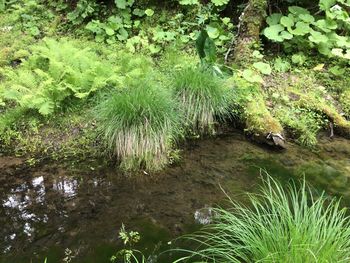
{"x":11,"y":40}
{"x":341,"y":125}
{"x":259,"y":120}
{"x":344,"y":100}
{"x":69,"y":137}
{"x":251,"y":22}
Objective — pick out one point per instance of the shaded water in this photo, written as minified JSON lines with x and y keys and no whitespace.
{"x":45,"y":209}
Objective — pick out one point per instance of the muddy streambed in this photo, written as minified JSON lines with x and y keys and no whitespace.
{"x":51,"y":207}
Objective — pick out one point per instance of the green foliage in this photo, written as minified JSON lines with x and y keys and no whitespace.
{"x":32,"y":16}
{"x":281,"y":65}
{"x":129,"y":254}
{"x":56,"y":72}
{"x":135,"y":24}
{"x":204,"y":98}
{"x":197,"y":2}
{"x":206,"y":49}
{"x":84,"y":10}
{"x":2,"y":5}
{"x":280,"y":225}
{"x":303,"y":123}
{"x":299,"y":29}
{"x":139,"y":124}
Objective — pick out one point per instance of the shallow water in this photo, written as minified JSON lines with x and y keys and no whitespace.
{"x":51,"y":207}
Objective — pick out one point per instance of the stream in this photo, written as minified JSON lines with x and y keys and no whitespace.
{"x":48,"y":208}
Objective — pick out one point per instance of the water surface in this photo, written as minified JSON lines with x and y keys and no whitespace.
{"x":54,"y":206}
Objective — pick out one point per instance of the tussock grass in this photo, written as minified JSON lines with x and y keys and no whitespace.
{"x":139,"y":125}
{"x":281,"y":225}
{"x":204,"y":98}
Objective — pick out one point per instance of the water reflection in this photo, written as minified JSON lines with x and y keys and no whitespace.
{"x":30,"y":204}
{"x":68,"y":188}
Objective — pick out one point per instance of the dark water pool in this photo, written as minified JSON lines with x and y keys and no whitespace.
{"x":52,"y":207}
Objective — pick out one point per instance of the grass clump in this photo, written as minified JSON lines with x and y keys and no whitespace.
{"x":280,"y":225}
{"x":204,"y":98}
{"x":139,"y":125}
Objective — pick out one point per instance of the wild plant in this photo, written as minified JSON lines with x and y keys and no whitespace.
{"x":204,"y":98}
{"x":139,"y":124}
{"x":280,"y":225}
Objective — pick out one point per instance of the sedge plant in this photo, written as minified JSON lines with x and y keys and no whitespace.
{"x":205,"y":99}
{"x":284,"y":225}
{"x":139,"y":124}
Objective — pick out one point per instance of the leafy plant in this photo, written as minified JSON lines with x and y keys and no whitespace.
{"x":84,"y":10}
{"x":197,"y":2}
{"x":280,"y":225}
{"x":129,"y":254}
{"x":56,"y":72}
{"x":31,"y":16}
{"x":139,"y":124}
{"x":328,"y":33}
{"x":304,"y":124}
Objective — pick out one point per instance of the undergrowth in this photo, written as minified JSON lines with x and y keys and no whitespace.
{"x":56,"y":73}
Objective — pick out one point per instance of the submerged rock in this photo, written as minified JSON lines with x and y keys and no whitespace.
{"x":204,"y":216}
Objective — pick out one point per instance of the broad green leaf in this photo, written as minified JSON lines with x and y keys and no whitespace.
{"x":337,"y":71}
{"x":273,"y":32}
{"x":226,"y":20}
{"x":123,"y":34}
{"x":154,"y":48}
{"x":299,"y":59}
{"x":264,"y":68}
{"x":307,"y":18}
{"x":257,"y":54}
{"x":337,"y":52}
{"x":2,"y":5}
{"x":120,"y":4}
{"x":286,"y":35}
{"x":189,"y":2}
{"x":200,"y":42}
{"x":296,"y":10}
{"x":210,"y":50}
{"x":213,"y":32}
{"x":115,"y":22}
{"x":109,"y":31}
{"x":326,"y":4}
{"x":123,"y":4}
{"x":273,"y":19}
{"x":220,"y":2}
{"x":281,"y":65}
{"x":326,"y":25}
{"x":149,"y":12}
{"x":287,"y":21}
{"x":138,"y":12}
{"x":318,"y":37}
{"x":325,"y":49}
{"x":251,"y":76}
{"x":301,"y":29}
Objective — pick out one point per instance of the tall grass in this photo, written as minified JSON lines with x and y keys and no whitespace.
{"x":204,"y":98}
{"x":139,"y":125}
{"x":286,"y":226}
